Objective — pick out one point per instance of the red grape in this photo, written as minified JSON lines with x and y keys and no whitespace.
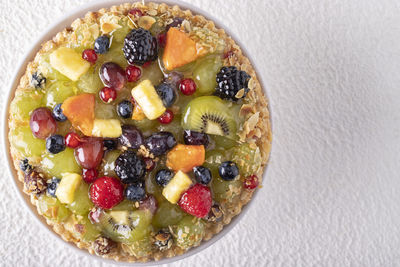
{"x":42,"y":123}
{"x":113,"y":75}
{"x":89,"y":153}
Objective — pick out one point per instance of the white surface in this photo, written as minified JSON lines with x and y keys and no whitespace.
{"x":332,"y":193}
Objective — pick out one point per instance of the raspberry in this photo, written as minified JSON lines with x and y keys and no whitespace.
{"x":196,"y":200}
{"x":106,"y":192}
{"x":251,"y":182}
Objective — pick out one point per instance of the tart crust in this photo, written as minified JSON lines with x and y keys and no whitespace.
{"x":256,"y":128}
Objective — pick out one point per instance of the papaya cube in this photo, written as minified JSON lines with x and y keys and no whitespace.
{"x":79,"y":110}
{"x":185,"y":157}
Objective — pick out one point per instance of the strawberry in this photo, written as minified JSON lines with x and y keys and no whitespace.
{"x":196,"y":200}
{"x":106,"y":192}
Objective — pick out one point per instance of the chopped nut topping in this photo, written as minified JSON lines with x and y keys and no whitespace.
{"x":144,"y":152}
{"x":35,"y":182}
{"x":103,"y":245}
{"x":146,"y":22}
{"x":163,"y":240}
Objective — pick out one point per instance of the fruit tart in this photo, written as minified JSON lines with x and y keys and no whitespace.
{"x":139,"y":131}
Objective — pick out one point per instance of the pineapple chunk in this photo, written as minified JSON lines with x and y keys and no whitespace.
{"x":66,"y":189}
{"x":174,"y":189}
{"x":69,"y":63}
{"x":147,"y":98}
{"x":106,"y":128}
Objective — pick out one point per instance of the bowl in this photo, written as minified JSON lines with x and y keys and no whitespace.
{"x":19,"y":71}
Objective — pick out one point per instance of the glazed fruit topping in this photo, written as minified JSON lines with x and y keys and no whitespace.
{"x":167,"y":117}
{"x":89,"y":55}
{"x":133,"y":73}
{"x":167,"y":94}
{"x":230,"y":82}
{"x":89,"y":153}
{"x":160,"y":143}
{"x":102,"y":44}
{"x":202,"y":175}
{"x":163,"y":177}
{"x":196,"y":138}
{"x":25,"y":166}
{"x":42,"y":123}
{"x":55,"y":144}
{"x":140,"y":46}
{"x":187,"y":86}
{"x":131,"y":137}
{"x":112,"y":75}
{"x":38,"y":80}
{"x":58,"y":113}
{"x":72,"y":140}
{"x":129,"y":167}
{"x":196,"y":201}
{"x":251,"y":182}
{"x":228,"y":170}
{"x":135,"y":192}
{"x":89,"y":175}
{"x":125,"y":109}
{"x":107,"y":94}
{"x":52,"y":186}
{"x":106,"y":192}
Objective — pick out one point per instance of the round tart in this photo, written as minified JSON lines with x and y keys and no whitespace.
{"x":140,"y":131}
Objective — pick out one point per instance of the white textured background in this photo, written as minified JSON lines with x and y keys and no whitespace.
{"x":332,"y":193}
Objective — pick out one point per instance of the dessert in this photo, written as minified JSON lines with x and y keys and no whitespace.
{"x":140,"y":131}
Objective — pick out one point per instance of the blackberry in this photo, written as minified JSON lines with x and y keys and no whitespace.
{"x":129,"y":167}
{"x":38,"y":80}
{"x":230,"y":81}
{"x":140,"y":47}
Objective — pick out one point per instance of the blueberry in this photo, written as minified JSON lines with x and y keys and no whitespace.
{"x":228,"y":170}
{"x":52,"y":186}
{"x":195,"y":138}
{"x":102,"y":44}
{"x":55,"y":144}
{"x":159,"y":143}
{"x":125,"y":109}
{"x":110,"y":144}
{"x":58,"y":113}
{"x":135,"y":192}
{"x":163,"y":177}
{"x":167,"y":94}
{"x":25,"y":166}
{"x":202,"y":174}
{"x":131,"y":137}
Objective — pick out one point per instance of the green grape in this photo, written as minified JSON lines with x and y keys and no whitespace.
{"x":214,"y":158}
{"x":63,"y":162}
{"x":140,"y":248}
{"x":87,"y":231}
{"x":125,"y":205}
{"x":223,"y":142}
{"x":157,"y":27}
{"x":167,"y":214}
{"x":64,"y":127}
{"x":118,"y":36}
{"x":152,"y":188}
{"x":90,"y":81}
{"x":108,"y":162}
{"x":225,"y":190}
{"x":52,"y":209}
{"x":115,"y":54}
{"x":105,"y":111}
{"x":146,"y":126}
{"x":24,"y":141}
{"x":152,"y":73}
{"x":82,"y":204}
{"x":248,"y":159}
{"x":189,"y":232}
{"x":58,"y":92}
{"x":174,"y":127}
{"x":205,"y":74}
{"x":24,"y":103}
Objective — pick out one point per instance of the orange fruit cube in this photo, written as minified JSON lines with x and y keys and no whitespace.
{"x":185,"y":157}
{"x":179,"y":49}
{"x":79,"y":110}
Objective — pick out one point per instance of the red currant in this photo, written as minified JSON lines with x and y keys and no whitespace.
{"x":150,"y":164}
{"x":108,"y":94}
{"x":146,"y":64}
{"x":251,"y":182}
{"x":89,"y":175}
{"x":136,"y":12}
{"x":187,"y":86}
{"x":162,"y":38}
{"x":167,"y":117}
{"x":89,"y":55}
{"x":133,"y":73}
{"x":72,"y":140}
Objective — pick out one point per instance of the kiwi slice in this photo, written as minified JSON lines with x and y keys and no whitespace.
{"x":126,"y":226}
{"x":211,"y":115}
